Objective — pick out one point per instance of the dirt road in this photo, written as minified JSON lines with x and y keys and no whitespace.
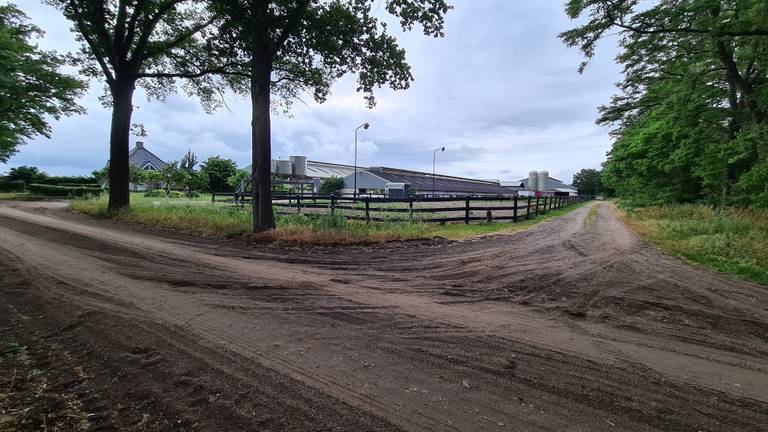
{"x":569,"y":326}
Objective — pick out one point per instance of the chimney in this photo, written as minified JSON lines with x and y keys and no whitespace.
{"x":140,"y":144}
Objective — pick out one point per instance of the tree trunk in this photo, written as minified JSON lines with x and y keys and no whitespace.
{"x":119,"y":140}
{"x":261,"y":153}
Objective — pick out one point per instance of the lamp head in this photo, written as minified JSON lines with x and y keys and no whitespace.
{"x":442,"y":148}
{"x":366,"y":125}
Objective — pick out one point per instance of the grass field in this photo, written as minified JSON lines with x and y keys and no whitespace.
{"x":199,"y":217}
{"x":733,"y":241}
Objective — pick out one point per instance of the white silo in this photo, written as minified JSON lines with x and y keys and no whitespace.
{"x":284,"y":167}
{"x":299,"y":165}
{"x":533,"y":180}
{"x":543,"y":181}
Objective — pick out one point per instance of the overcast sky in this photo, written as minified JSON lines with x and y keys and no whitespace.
{"x":499,"y":91}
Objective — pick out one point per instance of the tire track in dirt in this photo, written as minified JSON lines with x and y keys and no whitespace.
{"x":589,"y":309}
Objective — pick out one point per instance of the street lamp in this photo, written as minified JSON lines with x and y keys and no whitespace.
{"x":434,"y":157}
{"x":364,"y":126}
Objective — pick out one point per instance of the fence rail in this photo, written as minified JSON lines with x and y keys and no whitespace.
{"x":425,"y":209}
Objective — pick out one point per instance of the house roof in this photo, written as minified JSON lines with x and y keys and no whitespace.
{"x":423,"y":182}
{"x":144,"y":158}
{"x":553,"y":185}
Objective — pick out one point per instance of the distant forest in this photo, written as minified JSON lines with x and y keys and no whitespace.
{"x":690,"y":120}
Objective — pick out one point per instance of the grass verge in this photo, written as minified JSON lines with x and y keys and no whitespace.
{"x":732,"y":241}
{"x":227,"y":221}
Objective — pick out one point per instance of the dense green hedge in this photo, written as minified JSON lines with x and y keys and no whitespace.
{"x":63,"y":191}
{"x":11,"y":185}
{"x":69,"y":180}
{"x":87,"y":185}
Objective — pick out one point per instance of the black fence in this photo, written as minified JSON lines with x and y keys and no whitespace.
{"x":439,"y":210}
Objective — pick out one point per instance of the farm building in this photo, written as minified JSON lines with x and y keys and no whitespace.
{"x":394,"y":181}
{"x":539,"y":183}
{"x":300,"y":170}
{"x":140,"y":157}
{"x":144,"y":159}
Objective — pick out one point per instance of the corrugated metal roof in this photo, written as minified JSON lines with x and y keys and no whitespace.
{"x":552,"y":185}
{"x":422,"y":182}
{"x":143,"y":158}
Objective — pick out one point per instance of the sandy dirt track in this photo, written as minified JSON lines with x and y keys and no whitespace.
{"x":569,"y":326}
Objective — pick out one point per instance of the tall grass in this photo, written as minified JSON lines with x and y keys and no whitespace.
{"x":733,"y":240}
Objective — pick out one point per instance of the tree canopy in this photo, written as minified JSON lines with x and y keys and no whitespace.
{"x":31,"y":86}
{"x":690,"y":118}
{"x":149,"y":43}
{"x":290,"y":47}
{"x":588,"y":181}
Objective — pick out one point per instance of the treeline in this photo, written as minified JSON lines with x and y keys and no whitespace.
{"x":691,"y":119}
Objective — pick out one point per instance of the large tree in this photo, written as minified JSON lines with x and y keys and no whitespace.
{"x":588,"y":182}
{"x":31,"y":86}
{"x":691,"y":116}
{"x":290,"y":47}
{"x":140,"y":42}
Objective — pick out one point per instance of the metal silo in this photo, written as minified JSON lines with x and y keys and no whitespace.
{"x":284,"y":167}
{"x":533,"y":180}
{"x":543,"y":182}
{"x":299,"y":165}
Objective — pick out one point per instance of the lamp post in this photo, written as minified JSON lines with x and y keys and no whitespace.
{"x":434,"y":158}
{"x":364,"y":126}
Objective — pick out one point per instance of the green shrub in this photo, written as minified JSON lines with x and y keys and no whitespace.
{"x":63,"y":191}
{"x":70,"y":180}
{"x":331,"y":184}
{"x":157,"y":193}
{"x":11,"y":185}
{"x":88,"y":185}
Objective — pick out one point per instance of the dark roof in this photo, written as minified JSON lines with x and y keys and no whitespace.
{"x":422,"y":182}
{"x":552,"y":185}
{"x":140,"y":157}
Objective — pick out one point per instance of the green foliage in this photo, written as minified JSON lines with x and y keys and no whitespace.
{"x":331,"y":184}
{"x":588,"y":181}
{"x":218,"y":171}
{"x":7,"y":185}
{"x":691,"y":117}
{"x":27,"y":174}
{"x":155,"y":193}
{"x":238,"y":178}
{"x":733,"y":241}
{"x":70,"y":180}
{"x":137,"y":175}
{"x":31,"y":89}
{"x":62,"y":191}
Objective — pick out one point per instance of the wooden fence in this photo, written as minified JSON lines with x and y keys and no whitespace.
{"x":439,"y":210}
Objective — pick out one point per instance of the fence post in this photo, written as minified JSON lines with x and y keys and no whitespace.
{"x":213,"y":197}
{"x":466,"y":211}
{"x":410,"y":207}
{"x":367,"y":210}
{"x":333,"y":205}
{"x":298,"y":203}
{"x":528,"y":209}
{"x":488,"y":215}
{"x":514,"y":209}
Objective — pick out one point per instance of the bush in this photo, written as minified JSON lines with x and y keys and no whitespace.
{"x":88,"y":185}
{"x":159,"y":193}
{"x":63,"y":191}
{"x":11,"y":185}
{"x":331,"y":185}
{"x":75,"y":181}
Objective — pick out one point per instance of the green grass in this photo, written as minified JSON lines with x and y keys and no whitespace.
{"x":733,"y":241}
{"x":591,"y":216}
{"x":199,"y":217}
